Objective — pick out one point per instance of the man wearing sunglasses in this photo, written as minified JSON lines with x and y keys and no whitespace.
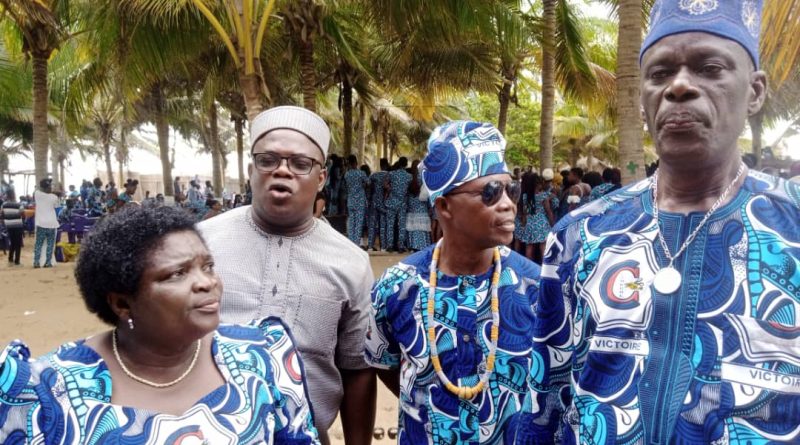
{"x":451,"y":326}
{"x":276,"y":259}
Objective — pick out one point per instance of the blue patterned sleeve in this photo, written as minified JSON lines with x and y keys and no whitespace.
{"x":293,"y":414}
{"x":381,"y":348}
{"x":552,"y":347}
{"x":17,"y":396}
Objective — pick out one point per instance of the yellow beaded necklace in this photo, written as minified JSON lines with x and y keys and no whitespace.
{"x":464,"y":392}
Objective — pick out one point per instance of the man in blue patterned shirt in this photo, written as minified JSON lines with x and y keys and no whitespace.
{"x":451,"y":326}
{"x":669,"y":309}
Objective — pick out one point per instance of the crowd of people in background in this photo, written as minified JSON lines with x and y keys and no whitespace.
{"x":387,"y":210}
{"x":50,"y":209}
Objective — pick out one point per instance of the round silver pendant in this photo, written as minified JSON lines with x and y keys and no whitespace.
{"x":667,"y":280}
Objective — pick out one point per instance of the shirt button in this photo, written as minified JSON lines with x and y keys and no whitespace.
{"x":465,"y":337}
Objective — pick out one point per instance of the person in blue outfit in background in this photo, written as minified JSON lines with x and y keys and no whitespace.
{"x":355,"y":183}
{"x":668,"y":309}
{"x":399,"y":181}
{"x":418,"y":218}
{"x":377,"y":206}
{"x":451,"y":327}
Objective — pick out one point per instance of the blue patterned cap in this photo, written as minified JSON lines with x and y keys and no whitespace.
{"x":737,"y":20}
{"x":459,"y":152}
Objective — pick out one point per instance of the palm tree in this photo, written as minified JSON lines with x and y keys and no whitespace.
{"x":43,"y":26}
{"x":780,"y":53}
{"x":240,"y":25}
{"x":548,"y":83}
{"x":780,"y":40}
{"x":303,"y":22}
{"x":629,"y":42}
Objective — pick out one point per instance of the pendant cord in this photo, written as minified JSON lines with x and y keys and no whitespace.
{"x":694,"y":233}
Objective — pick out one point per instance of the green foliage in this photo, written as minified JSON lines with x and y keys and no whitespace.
{"x":522,"y":131}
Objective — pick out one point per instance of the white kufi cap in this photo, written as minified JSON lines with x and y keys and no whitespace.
{"x":293,"y":118}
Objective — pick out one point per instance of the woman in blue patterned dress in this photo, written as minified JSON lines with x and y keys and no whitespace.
{"x":130,"y":189}
{"x":521,"y":220}
{"x":94,"y":198}
{"x":528,"y":234}
{"x":542,"y":217}
{"x":355,"y":182}
{"x":418,"y":219}
{"x":167,"y":371}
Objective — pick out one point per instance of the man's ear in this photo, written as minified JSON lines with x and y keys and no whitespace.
{"x":443,"y":210}
{"x":323,"y":175}
{"x":120,"y":305}
{"x":758,"y":92}
{"x":250,"y":170}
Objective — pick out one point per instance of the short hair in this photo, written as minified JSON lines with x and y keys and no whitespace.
{"x":114,"y":255}
{"x":577,"y":171}
{"x":608,"y":174}
{"x":616,"y":176}
{"x":593,"y":179}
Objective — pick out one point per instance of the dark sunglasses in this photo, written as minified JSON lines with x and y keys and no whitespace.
{"x":493,"y":191}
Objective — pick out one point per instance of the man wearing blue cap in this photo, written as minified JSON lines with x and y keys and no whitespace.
{"x":669,"y":309}
{"x":451,"y":326}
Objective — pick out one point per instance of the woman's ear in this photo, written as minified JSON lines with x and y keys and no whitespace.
{"x":120,"y":305}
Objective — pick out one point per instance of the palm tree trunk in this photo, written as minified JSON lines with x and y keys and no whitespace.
{"x":347,"y":115}
{"x":385,"y":141}
{"x":504,"y":96}
{"x":361,"y":134}
{"x":62,"y":171}
{"x":40,"y":102}
{"x":106,"y":136}
{"x":629,"y":41}
{"x":548,"y":85}
{"x":57,"y":180}
{"x":252,"y":93}
{"x":122,"y":155}
{"x":757,"y":128}
{"x":216,"y":159}
{"x":162,"y":131}
{"x":239,"y":125}
{"x":308,"y":74}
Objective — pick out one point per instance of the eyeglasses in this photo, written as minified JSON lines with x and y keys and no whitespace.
{"x":298,"y":164}
{"x":493,"y":191}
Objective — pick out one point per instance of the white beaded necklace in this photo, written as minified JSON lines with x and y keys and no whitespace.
{"x":148,"y":382}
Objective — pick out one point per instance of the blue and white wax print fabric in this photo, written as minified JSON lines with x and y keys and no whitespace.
{"x":459,"y":152}
{"x":65,"y":397}
{"x":397,"y":339}
{"x":716,"y":362}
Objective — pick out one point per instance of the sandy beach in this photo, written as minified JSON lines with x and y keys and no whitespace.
{"x":43,"y":308}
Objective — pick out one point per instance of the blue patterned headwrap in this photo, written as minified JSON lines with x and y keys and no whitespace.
{"x":737,"y":20}
{"x":459,"y":152}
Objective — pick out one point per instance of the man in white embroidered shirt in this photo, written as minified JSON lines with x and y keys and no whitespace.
{"x":275,"y":258}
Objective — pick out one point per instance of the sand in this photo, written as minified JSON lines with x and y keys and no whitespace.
{"x":43,"y":308}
